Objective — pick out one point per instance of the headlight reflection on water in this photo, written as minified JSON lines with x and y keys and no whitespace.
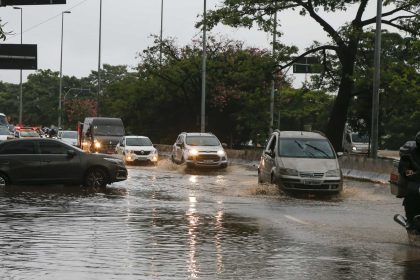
{"x":193,"y":220}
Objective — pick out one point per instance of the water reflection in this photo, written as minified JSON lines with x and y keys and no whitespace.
{"x":193,"y":219}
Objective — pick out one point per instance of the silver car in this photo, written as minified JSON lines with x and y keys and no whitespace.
{"x":199,"y":150}
{"x":300,"y":161}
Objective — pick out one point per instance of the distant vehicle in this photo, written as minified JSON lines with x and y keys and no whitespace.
{"x":33,"y":161}
{"x":5,"y":134}
{"x":137,"y":149}
{"x":199,"y":150}
{"x":355,"y":142}
{"x":100,"y":135}
{"x":68,"y":136}
{"x":3,"y":120}
{"x":300,"y":161}
{"x":26,"y":132}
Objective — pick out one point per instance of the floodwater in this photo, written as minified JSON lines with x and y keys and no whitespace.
{"x":166,"y":222}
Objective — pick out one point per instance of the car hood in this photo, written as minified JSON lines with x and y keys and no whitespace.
{"x":205,"y":148}
{"x":309,"y":164}
{"x":3,"y":137}
{"x":140,"y":148}
{"x":108,"y":140}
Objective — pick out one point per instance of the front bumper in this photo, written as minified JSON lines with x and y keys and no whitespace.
{"x":324,"y":185}
{"x":118,"y":173}
{"x":153,"y":158}
{"x":207,"y":161}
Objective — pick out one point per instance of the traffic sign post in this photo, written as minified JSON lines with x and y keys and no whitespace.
{"x":18,"y":57}
{"x":30,"y":2}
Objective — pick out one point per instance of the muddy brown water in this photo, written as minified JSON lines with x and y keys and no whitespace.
{"x":167,"y":222}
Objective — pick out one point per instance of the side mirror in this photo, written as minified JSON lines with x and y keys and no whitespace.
{"x":269,"y":153}
{"x":71,"y":153}
{"x":340,"y":154}
{"x":122,"y":144}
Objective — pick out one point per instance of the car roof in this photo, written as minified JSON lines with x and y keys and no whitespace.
{"x":135,"y":136}
{"x":198,"y":134}
{"x":300,"y":135}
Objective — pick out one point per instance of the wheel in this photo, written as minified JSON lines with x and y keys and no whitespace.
{"x":3,"y":180}
{"x":96,"y":178}
{"x":173,"y":159}
{"x":260,"y":180}
{"x":272,"y":179}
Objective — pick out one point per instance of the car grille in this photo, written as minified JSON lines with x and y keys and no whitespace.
{"x":311,"y":175}
{"x":208,"y":157}
{"x":142,"y":153}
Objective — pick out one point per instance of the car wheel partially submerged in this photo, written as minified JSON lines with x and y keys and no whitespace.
{"x":3,"y":180}
{"x":96,"y":178}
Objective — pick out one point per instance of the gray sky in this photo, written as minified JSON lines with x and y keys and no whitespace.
{"x":126,"y":29}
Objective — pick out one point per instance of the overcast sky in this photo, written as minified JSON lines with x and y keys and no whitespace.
{"x":126,"y":29}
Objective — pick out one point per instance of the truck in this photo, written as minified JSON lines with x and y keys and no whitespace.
{"x":100,"y":134}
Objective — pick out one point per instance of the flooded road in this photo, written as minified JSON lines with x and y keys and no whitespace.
{"x":166,"y":222}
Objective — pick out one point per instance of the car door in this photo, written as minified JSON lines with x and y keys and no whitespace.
{"x":57,"y":166}
{"x":20,"y":161}
{"x":268,"y":158}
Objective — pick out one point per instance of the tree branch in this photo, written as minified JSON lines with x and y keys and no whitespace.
{"x":373,"y":20}
{"x":361,"y":10}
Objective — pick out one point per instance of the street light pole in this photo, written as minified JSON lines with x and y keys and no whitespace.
{"x":203,"y":81}
{"x":99,"y":57}
{"x":161,"y":33}
{"x":273,"y":81}
{"x":61,"y":68}
{"x":376,"y":82}
{"x":21,"y":87}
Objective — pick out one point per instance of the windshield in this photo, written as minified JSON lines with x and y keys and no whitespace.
{"x":138,"y":142}
{"x":69,"y":134}
{"x":4,"y":131}
{"x":3,"y":120}
{"x":306,"y":148}
{"x":108,"y":130}
{"x":28,"y":133}
{"x":359,"y":138}
{"x":202,"y":141}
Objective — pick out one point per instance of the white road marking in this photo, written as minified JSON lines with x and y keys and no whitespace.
{"x":296,"y":220}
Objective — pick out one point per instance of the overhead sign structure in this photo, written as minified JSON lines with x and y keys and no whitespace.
{"x":305,"y":65}
{"x":30,"y":2}
{"x":18,"y":57}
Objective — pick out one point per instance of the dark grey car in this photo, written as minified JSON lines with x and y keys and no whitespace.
{"x":32,"y":161}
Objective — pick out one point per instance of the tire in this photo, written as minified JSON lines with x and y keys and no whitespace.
{"x":260,"y":180}
{"x":96,"y":178}
{"x":272,"y":179}
{"x":4,"y":181}
{"x":173,"y":159}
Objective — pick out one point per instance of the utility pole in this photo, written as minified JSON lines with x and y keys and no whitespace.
{"x":203,"y":81}
{"x":161,"y":33}
{"x":61,"y":68}
{"x":376,"y":82}
{"x":20,"y":84}
{"x":99,"y":57}
{"x":273,"y":77}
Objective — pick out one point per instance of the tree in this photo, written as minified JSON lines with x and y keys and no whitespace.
{"x":403,"y":15}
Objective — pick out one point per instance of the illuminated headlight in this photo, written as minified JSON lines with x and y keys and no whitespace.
{"x":354,"y":149}
{"x":221,"y":153}
{"x":289,"y":172}
{"x":333,"y":173}
{"x":193,"y":152}
{"x":155,"y":158}
{"x":114,"y":160}
{"x":97,"y":145}
{"x":84,"y":143}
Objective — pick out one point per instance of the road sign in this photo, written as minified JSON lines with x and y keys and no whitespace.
{"x":308,"y":64}
{"x":30,"y":2}
{"x":17,"y":56}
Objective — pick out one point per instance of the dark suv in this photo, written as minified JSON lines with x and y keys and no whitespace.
{"x":32,"y":161}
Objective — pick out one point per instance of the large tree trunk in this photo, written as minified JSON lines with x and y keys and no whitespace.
{"x":338,"y":116}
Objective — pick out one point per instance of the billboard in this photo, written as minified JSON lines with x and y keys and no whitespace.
{"x":30,"y":2}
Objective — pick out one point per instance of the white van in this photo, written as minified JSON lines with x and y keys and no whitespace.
{"x":300,"y":161}
{"x":355,"y":142}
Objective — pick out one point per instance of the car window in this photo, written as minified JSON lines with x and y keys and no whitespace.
{"x":4,"y":130}
{"x":18,"y":148}
{"x":267,"y":148}
{"x":202,"y":141}
{"x":138,"y":142}
{"x":28,"y":133}
{"x":306,"y":148}
{"x":52,"y":148}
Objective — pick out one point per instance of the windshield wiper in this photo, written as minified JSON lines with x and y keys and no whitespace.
{"x":303,"y":148}
{"x":319,"y":150}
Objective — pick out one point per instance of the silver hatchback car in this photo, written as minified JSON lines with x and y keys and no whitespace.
{"x":199,"y":150}
{"x":300,"y":161}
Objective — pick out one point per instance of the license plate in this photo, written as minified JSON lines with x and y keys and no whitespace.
{"x":311,"y":182}
{"x":208,"y":161}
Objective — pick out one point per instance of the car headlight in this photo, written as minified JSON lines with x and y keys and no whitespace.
{"x":193,"y":152}
{"x":289,"y":172}
{"x":114,"y":160}
{"x":354,"y":148}
{"x":221,"y":153}
{"x":97,"y":145}
{"x":333,"y":173}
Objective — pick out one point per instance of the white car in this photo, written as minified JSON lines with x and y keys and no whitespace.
{"x":137,"y":149}
{"x":5,"y":134}
{"x":68,"y":136}
{"x":199,"y":150}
